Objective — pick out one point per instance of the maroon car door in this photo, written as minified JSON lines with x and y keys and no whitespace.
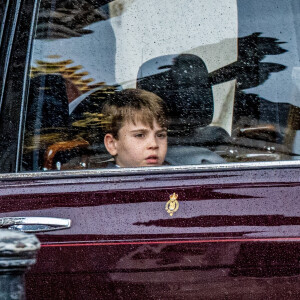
{"x":227,"y":237}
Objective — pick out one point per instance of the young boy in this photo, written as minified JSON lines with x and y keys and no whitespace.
{"x":135,"y":128}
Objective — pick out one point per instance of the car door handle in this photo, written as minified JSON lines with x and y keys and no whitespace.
{"x":34,"y":224}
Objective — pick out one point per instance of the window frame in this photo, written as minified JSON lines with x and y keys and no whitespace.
{"x":16,"y":57}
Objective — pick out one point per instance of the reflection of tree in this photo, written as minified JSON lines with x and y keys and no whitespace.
{"x":87,"y":120}
{"x":61,"y":79}
{"x":249,"y":70}
{"x":186,"y":84}
{"x":53,"y":86}
{"x":68,"y":18}
{"x":185,"y":77}
{"x":75,"y":82}
{"x":90,"y":120}
{"x":74,"y":85}
{"x":251,"y":110}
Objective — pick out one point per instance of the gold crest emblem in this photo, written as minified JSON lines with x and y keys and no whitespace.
{"x":172,"y":205}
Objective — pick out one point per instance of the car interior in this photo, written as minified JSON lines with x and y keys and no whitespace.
{"x":63,"y":128}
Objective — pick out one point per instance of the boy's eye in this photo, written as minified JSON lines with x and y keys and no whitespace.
{"x":162,"y":135}
{"x":139,"y":135}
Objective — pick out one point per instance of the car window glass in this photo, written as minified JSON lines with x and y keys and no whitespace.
{"x":227,"y":70}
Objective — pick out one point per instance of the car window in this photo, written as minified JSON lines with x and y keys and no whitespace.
{"x":227,"y":71}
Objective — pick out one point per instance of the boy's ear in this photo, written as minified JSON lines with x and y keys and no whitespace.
{"x":110,"y":144}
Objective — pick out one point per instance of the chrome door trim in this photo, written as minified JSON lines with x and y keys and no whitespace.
{"x":34,"y":224}
{"x":152,"y":170}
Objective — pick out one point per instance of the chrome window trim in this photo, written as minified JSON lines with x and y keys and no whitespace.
{"x":151,"y":170}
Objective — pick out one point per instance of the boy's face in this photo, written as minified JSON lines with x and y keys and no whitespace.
{"x":138,"y":145}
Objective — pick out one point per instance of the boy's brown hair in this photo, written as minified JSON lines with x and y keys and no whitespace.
{"x":132,"y":105}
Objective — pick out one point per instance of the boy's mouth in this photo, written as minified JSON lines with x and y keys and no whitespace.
{"x":152,"y":159}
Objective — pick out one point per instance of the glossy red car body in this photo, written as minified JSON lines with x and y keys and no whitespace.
{"x":235,"y":235}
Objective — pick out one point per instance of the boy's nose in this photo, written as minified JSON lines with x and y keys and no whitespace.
{"x":153,"y":143}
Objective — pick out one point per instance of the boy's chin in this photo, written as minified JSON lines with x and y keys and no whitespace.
{"x":142,"y":165}
{"x":152,"y":164}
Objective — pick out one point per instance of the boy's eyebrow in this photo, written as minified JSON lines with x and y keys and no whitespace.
{"x":162,"y":130}
{"x":137,"y":130}
{"x":146,"y":129}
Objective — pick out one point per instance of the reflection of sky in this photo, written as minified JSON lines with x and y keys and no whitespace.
{"x":273,"y":18}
